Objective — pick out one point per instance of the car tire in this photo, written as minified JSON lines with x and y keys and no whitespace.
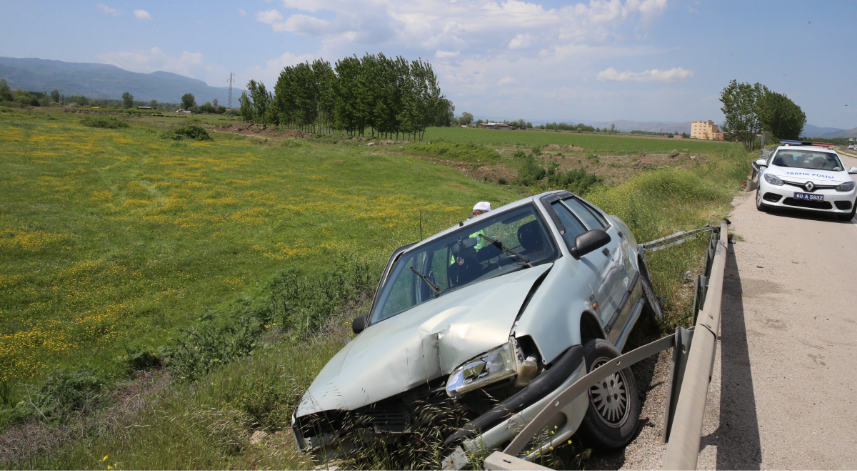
{"x":759,"y":205}
{"x":652,"y":306}
{"x":611,"y":420}
{"x":849,"y":216}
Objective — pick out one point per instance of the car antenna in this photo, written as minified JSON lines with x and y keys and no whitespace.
{"x":460,"y":223}
{"x":421,"y":224}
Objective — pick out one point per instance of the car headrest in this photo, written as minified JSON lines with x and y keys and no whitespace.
{"x":530,"y":236}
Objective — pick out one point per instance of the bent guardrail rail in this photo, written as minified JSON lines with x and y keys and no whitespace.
{"x":690,"y":373}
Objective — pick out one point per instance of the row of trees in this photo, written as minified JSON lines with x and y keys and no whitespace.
{"x":389,"y":96}
{"x":751,"y":109}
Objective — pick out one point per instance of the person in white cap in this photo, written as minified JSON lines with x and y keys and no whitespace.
{"x":480,"y":208}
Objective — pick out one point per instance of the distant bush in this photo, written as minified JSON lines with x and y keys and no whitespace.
{"x":460,"y":152}
{"x":108,"y":122}
{"x":576,"y":181}
{"x":191,"y":131}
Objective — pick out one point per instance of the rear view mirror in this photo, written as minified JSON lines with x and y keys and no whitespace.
{"x":467,"y":243}
{"x":852,"y":170}
{"x":358,"y":324}
{"x":589,"y":241}
{"x":761,"y":163}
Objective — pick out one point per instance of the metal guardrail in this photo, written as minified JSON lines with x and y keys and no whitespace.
{"x":688,"y":384}
{"x":684,"y":436}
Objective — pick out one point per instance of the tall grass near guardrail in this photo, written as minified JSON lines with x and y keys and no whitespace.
{"x":662,"y":202}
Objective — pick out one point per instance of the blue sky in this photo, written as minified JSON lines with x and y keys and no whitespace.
{"x":599,"y":60}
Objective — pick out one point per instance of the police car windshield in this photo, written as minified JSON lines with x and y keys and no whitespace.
{"x":808,"y":159}
{"x":463,"y":258}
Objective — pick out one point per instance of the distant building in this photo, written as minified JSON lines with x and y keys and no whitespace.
{"x":144,"y":107}
{"x":502,"y":126}
{"x":703,"y":130}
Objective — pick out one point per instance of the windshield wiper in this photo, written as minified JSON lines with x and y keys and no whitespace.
{"x":502,"y":247}
{"x":425,"y":278}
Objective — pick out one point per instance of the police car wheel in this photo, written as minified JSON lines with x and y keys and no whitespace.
{"x":759,"y":205}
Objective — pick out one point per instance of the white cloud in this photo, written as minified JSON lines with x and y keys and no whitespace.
{"x":304,"y":25}
{"x":269,"y":16}
{"x":673,"y":75}
{"x":242,"y":12}
{"x":107,"y":10}
{"x":446,"y":54}
{"x":521,"y":41}
{"x":271,"y":71}
{"x":142,"y":15}
{"x":506,"y":80}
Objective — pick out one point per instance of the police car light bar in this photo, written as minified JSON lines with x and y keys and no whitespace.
{"x":789,"y":142}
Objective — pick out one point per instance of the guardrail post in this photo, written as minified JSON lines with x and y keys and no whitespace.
{"x":684,"y":436}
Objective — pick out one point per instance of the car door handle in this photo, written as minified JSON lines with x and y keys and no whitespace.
{"x":606,"y":252}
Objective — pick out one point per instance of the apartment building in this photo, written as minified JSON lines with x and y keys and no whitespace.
{"x":703,"y":130}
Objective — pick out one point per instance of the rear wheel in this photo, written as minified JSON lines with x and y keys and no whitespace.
{"x":614,"y":403}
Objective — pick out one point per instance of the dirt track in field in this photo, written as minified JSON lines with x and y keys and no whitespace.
{"x":783,"y":393}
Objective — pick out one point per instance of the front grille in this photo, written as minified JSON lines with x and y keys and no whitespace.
{"x":389,"y":415}
{"x":818,"y":186}
{"x":772,"y":197}
{"x":808,"y":204}
{"x":842,"y":205}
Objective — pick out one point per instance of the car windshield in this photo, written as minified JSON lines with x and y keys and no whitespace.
{"x":513,"y":240}
{"x":809,"y":159}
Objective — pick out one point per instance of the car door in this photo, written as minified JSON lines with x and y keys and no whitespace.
{"x":609,"y":263}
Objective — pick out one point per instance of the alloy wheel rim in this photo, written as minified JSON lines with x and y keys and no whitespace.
{"x":609,"y":397}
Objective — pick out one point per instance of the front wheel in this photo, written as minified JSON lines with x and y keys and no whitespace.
{"x":849,"y":216}
{"x":614,"y":403}
{"x":759,"y":205}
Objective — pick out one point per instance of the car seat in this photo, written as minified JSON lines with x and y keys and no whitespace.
{"x":778,"y":161}
{"x":468,"y":271}
{"x":530,"y":237}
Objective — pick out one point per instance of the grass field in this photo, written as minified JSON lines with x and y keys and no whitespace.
{"x":592,"y":143}
{"x":114,"y":241}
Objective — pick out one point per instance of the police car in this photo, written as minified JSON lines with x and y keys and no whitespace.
{"x":808,"y":176}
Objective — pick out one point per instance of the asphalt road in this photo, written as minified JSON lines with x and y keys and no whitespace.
{"x":783,"y":393}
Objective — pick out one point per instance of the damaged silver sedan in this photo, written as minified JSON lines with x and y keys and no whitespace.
{"x":493,"y":317}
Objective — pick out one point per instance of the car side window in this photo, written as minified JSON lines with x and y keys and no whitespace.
{"x":573,"y":226}
{"x":585,"y":214}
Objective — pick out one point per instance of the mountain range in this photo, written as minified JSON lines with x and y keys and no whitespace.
{"x":107,"y":81}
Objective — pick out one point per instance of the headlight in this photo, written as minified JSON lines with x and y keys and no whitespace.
{"x":773,"y":180}
{"x":847,"y":186}
{"x":490,"y":367}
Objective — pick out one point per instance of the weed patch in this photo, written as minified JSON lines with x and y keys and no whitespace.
{"x":191,"y":131}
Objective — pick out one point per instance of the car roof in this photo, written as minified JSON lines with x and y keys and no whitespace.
{"x":809,"y":148}
{"x":504,"y":208}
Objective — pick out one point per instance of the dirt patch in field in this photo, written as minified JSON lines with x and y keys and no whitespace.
{"x":258,"y":130}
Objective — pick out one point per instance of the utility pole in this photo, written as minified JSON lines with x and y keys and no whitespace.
{"x":231,"y":79}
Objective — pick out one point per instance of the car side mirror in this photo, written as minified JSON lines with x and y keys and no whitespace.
{"x":761,"y":163}
{"x":852,"y":170}
{"x":589,"y":241}
{"x":359,"y":323}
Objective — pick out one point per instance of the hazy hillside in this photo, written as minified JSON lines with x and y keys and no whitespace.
{"x":102,"y":80}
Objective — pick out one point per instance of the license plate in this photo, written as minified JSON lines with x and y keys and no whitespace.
{"x":808,"y":197}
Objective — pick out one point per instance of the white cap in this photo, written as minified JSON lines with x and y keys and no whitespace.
{"x":482,"y":206}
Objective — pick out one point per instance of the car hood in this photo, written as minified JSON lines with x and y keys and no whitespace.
{"x":421,"y":344}
{"x":803,"y":175}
